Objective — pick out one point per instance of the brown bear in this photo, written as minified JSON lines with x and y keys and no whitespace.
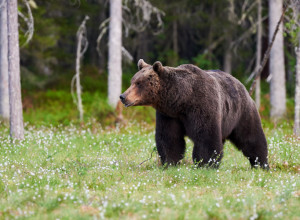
{"x":207,"y":106}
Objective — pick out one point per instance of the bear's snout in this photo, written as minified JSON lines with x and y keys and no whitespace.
{"x":125,"y":100}
{"x":122,"y":98}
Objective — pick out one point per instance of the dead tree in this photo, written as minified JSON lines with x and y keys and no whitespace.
{"x":82,"y":45}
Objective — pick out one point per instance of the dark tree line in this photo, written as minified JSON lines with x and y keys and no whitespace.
{"x":213,"y":34}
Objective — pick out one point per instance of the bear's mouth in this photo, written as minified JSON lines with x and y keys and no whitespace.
{"x":130,"y":104}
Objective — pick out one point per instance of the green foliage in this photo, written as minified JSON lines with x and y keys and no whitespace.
{"x":54,"y":105}
{"x":57,"y":107}
{"x":169,"y":58}
{"x":204,"y":62}
{"x":291,"y":65}
{"x":292,"y":27}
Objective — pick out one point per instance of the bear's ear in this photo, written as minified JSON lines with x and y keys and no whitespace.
{"x":158,"y":67}
{"x":142,"y":64}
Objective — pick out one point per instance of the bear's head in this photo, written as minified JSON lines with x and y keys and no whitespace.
{"x":145,"y":85}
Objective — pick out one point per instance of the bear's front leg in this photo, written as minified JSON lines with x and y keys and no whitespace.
{"x":208,"y":146}
{"x":169,"y":138}
{"x":208,"y":153}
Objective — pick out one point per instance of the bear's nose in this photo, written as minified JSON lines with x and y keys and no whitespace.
{"x":122,"y":97}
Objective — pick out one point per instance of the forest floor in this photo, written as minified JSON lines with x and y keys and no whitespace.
{"x":85,"y":172}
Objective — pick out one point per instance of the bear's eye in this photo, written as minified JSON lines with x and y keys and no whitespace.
{"x":138,"y":83}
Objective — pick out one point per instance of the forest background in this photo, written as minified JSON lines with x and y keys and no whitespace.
{"x":210,"y":34}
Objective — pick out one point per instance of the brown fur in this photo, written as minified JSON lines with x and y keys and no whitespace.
{"x":207,"y":106}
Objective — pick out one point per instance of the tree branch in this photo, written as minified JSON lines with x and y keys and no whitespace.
{"x":29,"y":22}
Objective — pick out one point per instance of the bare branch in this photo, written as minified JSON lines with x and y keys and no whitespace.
{"x":103,"y":29}
{"x":29,"y":22}
{"x":82,"y":33}
{"x":137,"y":19}
{"x":249,"y":67}
{"x":214,"y":44}
{"x":140,"y":16}
{"x":246,"y":34}
{"x":295,"y":5}
{"x":246,"y":12}
{"x":231,"y":11}
{"x":154,"y":149}
{"x":127,"y":55}
{"x":74,"y":2}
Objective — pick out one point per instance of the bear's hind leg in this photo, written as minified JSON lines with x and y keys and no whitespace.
{"x":169,"y":138}
{"x":253,"y":144}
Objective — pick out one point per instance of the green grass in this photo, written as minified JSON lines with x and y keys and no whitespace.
{"x":56,"y":107}
{"x":76,"y":172}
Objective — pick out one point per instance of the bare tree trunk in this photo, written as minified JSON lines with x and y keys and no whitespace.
{"x":4,"y":94}
{"x":277,"y":68}
{"x":115,"y":52}
{"x":82,"y":45}
{"x":297,"y":93}
{"x":15,"y":102}
{"x":78,"y":85}
{"x":258,"y":53}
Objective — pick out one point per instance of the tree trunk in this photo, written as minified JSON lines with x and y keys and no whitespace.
{"x":277,"y":68}
{"x":4,"y":94}
{"x":115,"y":52}
{"x":258,"y":53}
{"x":77,"y":76}
{"x":297,"y":93}
{"x":15,"y":102}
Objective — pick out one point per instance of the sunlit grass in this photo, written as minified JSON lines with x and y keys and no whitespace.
{"x":84,"y":172}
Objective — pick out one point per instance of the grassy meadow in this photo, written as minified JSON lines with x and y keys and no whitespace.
{"x":65,"y":169}
{"x":95,"y":172}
